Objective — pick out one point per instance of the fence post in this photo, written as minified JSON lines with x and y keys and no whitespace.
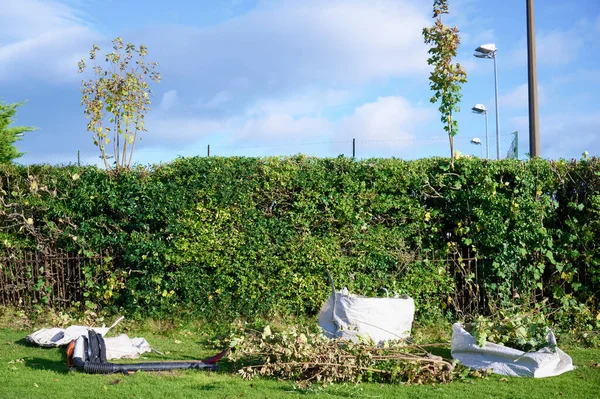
{"x":47,"y":277}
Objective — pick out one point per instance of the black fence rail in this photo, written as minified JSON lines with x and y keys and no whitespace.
{"x":57,"y":279}
{"x":54,"y":279}
{"x":466,"y":268}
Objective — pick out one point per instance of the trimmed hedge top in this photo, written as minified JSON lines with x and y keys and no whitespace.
{"x":253,"y":236}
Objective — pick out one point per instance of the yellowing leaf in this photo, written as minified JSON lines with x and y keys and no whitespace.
{"x":29,"y":221}
{"x":267,"y":332}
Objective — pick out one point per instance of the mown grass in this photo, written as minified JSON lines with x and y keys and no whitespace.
{"x":31,"y":372}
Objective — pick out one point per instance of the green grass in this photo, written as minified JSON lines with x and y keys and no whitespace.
{"x":32,"y":372}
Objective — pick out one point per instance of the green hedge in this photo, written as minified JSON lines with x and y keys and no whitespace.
{"x":227,"y":237}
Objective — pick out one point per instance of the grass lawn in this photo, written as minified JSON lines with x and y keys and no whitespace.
{"x":32,"y":372}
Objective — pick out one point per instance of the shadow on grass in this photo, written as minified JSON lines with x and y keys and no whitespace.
{"x":24,"y":342}
{"x":337,"y":390}
{"x":207,"y":387}
{"x":37,"y":363}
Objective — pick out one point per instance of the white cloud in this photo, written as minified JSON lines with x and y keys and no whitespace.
{"x":294,"y":43}
{"x":219,"y":99}
{"x":565,"y":135}
{"x":476,"y":39}
{"x":24,"y":19}
{"x":42,"y":40}
{"x":172,"y":131}
{"x":307,"y":102}
{"x":168,"y":100}
{"x":390,"y":122}
{"x":387,"y":124}
{"x":589,"y":76}
{"x":283,"y":128}
{"x":553,"y":48}
{"x":519,"y":97}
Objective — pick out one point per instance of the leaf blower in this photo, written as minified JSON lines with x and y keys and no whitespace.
{"x":88,"y":354}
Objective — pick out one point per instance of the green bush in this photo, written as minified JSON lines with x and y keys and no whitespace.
{"x":228,"y":237}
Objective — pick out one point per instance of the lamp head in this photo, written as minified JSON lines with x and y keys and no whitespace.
{"x":479,"y":109}
{"x":487,"y":48}
{"x":476,"y":141}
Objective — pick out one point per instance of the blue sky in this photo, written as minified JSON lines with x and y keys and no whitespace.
{"x":268,"y":77}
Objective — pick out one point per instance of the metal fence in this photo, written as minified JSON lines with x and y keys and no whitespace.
{"x":54,"y":279}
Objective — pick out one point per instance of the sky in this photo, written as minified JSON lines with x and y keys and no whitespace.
{"x":283,"y":77}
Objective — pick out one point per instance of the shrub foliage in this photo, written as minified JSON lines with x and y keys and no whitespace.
{"x":229,"y":237}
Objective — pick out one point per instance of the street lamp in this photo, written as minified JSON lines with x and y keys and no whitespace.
{"x":482,"y":110}
{"x":477,"y":141}
{"x":489,"y":51}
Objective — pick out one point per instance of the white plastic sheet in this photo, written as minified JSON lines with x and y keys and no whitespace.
{"x":50,"y":337}
{"x":123,"y":347}
{"x":508,"y":361}
{"x":351,"y":316}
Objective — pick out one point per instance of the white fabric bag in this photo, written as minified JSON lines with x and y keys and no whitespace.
{"x":508,"y":361}
{"x":351,"y":316}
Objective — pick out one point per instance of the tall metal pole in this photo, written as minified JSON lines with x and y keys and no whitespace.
{"x":534,"y":122}
{"x":497,"y":114}
{"x":353,"y":148}
{"x":487,"y":142}
{"x":208,"y":151}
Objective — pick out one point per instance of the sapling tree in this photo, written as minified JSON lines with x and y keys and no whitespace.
{"x":446,"y":78}
{"x":117,"y":99}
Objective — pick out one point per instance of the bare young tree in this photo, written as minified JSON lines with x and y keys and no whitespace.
{"x":446,"y":78}
{"x":117,"y":99}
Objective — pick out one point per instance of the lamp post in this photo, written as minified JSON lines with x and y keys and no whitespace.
{"x":534,"y":122}
{"x":477,"y":141}
{"x":480,"y":109}
{"x":489,"y":51}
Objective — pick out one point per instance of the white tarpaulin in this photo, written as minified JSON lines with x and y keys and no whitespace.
{"x":508,"y":361}
{"x":350,"y":316}
{"x":50,"y":337}
{"x":123,"y":347}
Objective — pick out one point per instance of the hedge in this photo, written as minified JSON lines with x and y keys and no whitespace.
{"x":230,"y":237}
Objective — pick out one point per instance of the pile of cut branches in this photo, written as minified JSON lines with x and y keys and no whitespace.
{"x":305,"y":356}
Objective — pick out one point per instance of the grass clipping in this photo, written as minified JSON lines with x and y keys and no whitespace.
{"x":297,"y":354}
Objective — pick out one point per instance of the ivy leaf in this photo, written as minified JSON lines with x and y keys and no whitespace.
{"x":550,"y":257}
